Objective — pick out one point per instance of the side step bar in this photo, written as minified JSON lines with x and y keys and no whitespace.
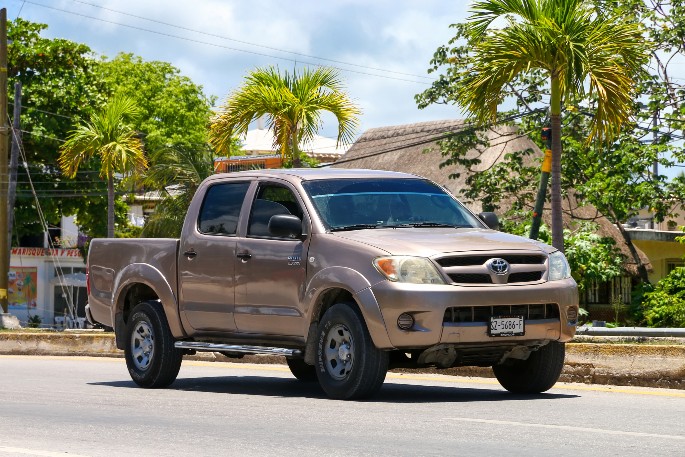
{"x":212,"y":347}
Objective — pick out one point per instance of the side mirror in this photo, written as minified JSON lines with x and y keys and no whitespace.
{"x":285,"y":226}
{"x":490,"y":220}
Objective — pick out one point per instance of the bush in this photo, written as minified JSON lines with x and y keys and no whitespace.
{"x":665,"y":305}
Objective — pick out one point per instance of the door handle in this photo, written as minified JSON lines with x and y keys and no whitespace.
{"x":244,"y":255}
{"x":190,"y":254}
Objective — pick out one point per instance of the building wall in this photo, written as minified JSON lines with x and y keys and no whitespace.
{"x":663,"y":255}
{"x":36,"y":296}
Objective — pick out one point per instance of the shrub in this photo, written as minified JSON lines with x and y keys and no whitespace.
{"x":665,"y":305}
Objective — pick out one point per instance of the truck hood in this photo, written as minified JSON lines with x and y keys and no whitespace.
{"x":427,"y":242}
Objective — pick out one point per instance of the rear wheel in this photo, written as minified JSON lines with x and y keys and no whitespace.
{"x":534,"y":375}
{"x":301,"y":370}
{"x":151,"y":357}
{"x":348,"y":364}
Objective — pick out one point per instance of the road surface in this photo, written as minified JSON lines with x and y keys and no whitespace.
{"x":79,"y":406}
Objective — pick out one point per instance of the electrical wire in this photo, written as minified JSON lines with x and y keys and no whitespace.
{"x":223,"y":37}
{"x":230,"y":48}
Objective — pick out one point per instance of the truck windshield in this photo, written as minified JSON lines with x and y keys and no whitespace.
{"x":351,"y":204}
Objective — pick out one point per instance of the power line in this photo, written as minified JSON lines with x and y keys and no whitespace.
{"x":224,"y":46}
{"x":223,"y":37}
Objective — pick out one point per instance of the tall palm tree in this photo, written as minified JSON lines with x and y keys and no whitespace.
{"x":109,"y":136}
{"x":582,"y":50}
{"x":292,"y":104}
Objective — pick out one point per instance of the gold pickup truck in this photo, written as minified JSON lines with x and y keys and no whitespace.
{"x":346,"y":273}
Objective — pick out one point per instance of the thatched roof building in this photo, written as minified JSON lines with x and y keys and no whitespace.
{"x":412,"y":148}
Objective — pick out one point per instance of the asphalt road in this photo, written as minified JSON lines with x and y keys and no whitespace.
{"x":73,"y":406}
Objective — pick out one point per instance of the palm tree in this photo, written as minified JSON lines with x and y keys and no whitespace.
{"x":108,"y":135}
{"x":583,"y":52}
{"x":292,"y":104}
{"x":177,"y":172}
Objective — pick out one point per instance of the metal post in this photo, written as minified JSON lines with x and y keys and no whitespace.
{"x":544,"y":179}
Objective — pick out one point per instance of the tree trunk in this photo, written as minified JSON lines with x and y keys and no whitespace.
{"x":110,"y":205}
{"x":295,"y":149}
{"x":641,"y":269}
{"x":555,"y":117}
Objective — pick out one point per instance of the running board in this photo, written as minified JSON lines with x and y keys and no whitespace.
{"x":212,"y":347}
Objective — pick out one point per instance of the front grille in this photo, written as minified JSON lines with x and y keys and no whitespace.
{"x":475,"y":269}
{"x":528,"y":276}
{"x":467,"y":278}
{"x":471,"y":260}
{"x":461,"y":314}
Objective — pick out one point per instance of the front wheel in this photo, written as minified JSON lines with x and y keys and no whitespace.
{"x":302,"y":371}
{"x":538,"y":373}
{"x":348,"y":364}
{"x":151,"y":357}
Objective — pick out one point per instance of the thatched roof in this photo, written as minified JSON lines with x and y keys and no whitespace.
{"x":412,"y":148}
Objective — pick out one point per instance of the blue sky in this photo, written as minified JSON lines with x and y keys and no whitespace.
{"x":383,"y":47}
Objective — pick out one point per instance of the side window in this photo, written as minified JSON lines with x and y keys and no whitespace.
{"x":221,"y":208}
{"x":271,"y":200}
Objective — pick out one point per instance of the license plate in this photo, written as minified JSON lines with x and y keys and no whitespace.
{"x":507,"y":326}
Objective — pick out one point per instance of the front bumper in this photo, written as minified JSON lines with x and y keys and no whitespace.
{"x":428,"y":303}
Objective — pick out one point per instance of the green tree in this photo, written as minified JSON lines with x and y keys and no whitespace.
{"x":174,"y":111}
{"x":580,"y":49}
{"x":59,"y":84}
{"x":292,"y":104}
{"x":109,"y":137}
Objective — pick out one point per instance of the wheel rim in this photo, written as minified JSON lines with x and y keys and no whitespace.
{"x":142,"y":345}
{"x":339,"y":352}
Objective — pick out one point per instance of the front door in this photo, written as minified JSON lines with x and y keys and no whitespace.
{"x":270,"y":271}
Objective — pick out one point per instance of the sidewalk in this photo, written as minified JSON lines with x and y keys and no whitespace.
{"x":588,"y":360}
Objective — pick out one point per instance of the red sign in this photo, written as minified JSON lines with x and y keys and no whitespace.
{"x":42,"y":252}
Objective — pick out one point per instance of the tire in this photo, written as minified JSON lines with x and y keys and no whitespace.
{"x":151,"y":357}
{"x":348,"y":365}
{"x":534,"y":375}
{"x":302,"y":371}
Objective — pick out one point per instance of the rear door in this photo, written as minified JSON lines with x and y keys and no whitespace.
{"x":207,"y":260}
{"x":271,"y":271}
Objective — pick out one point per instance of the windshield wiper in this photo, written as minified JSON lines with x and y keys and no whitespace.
{"x":429,"y":224}
{"x":354,"y":227}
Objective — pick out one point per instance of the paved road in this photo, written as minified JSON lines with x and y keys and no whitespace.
{"x":72,"y":406}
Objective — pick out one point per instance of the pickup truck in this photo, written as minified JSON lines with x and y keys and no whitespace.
{"x":345,"y":273}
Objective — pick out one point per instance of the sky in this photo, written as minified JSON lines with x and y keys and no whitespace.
{"x":381,"y":47}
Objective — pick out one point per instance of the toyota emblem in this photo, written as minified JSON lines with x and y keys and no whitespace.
{"x":499,"y":266}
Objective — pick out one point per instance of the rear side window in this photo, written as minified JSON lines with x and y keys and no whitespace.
{"x":221,"y":208}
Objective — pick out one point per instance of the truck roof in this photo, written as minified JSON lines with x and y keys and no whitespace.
{"x":306,"y":174}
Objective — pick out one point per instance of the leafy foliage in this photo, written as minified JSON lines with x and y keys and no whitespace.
{"x":177,"y":172}
{"x":665,"y":305}
{"x":292,"y":104}
{"x":59,"y":85}
{"x":593,"y":258}
{"x":109,"y":136}
{"x":174,"y":112}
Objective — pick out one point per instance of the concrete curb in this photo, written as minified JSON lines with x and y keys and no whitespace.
{"x":646,"y":365}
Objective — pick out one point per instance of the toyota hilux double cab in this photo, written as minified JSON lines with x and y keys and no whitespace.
{"x":345,"y":273}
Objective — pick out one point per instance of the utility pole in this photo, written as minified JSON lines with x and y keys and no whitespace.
{"x":14,"y":162}
{"x":655,"y":165}
{"x":4,"y":187}
{"x":544,"y":179}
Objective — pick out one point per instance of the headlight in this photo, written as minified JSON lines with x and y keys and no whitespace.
{"x":558,"y":267}
{"x":414,"y":270}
